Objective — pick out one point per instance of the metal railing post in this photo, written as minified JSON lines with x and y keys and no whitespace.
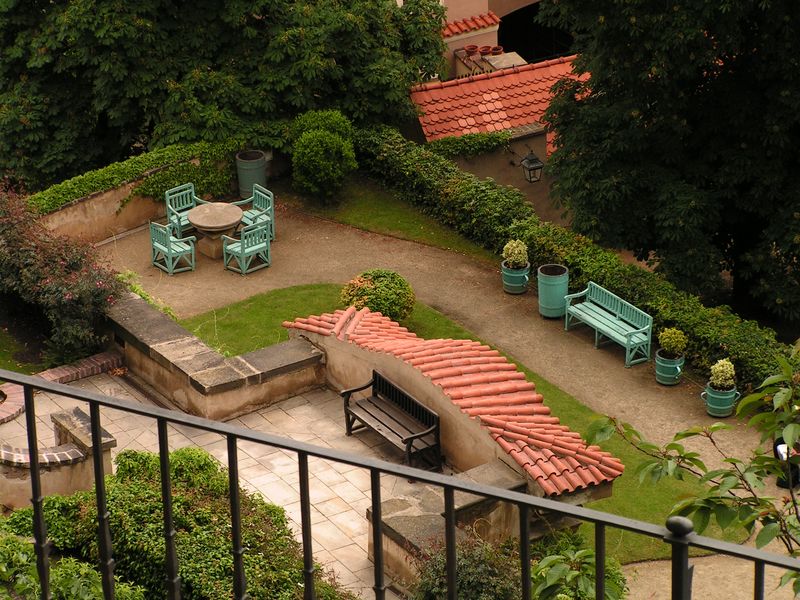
{"x":173,"y":580}
{"x":450,"y":543}
{"x":40,"y":544}
{"x":599,"y":560}
{"x":525,"y":550}
{"x":679,"y":530}
{"x":758,"y":581}
{"x":103,"y":528}
{"x":377,"y":534}
{"x":239,"y":579}
{"x":305,"y":528}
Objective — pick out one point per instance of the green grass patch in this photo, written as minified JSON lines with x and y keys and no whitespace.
{"x":9,"y":347}
{"x":366,"y":205}
{"x":256,"y":322}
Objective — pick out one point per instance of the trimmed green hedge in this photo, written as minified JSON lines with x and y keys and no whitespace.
{"x":491,"y":214}
{"x":470,"y":144}
{"x":212,"y":175}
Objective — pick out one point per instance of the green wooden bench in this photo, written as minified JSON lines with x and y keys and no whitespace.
{"x":396,"y":416}
{"x":250,"y":252}
{"x":613,"y":318}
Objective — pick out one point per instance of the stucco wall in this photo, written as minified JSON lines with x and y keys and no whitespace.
{"x":503,"y":166}
{"x":100,"y":216}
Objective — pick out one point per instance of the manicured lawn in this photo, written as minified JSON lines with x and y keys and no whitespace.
{"x":364,"y":204}
{"x":256,"y":322}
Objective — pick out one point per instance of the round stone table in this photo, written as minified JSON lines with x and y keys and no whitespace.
{"x":212,"y":221}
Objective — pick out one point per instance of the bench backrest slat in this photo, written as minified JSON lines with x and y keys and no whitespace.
{"x":181,"y":198}
{"x":620,"y":308}
{"x":390,"y":391}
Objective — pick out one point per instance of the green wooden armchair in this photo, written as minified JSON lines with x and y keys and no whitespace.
{"x":250,"y":252}
{"x":180,"y":200}
{"x":262,"y":209}
{"x":171,"y":254}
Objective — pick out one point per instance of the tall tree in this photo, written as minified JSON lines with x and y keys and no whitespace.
{"x":86,"y":79}
{"x":680,"y":141}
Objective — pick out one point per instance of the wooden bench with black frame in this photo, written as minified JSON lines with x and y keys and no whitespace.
{"x":396,"y":416}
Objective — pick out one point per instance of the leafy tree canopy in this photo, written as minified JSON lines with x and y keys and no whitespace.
{"x":680,"y":143}
{"x":85,"y":80}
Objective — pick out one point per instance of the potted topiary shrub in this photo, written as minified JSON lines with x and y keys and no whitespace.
{"x":669,"y":358}
{"x":515,"y":267}
{"x":720,"y":394}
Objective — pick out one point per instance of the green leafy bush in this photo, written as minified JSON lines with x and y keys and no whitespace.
{"x":490,"y":214}
{"x":470,"y":144}
{"x":161,"y":169}
{"x":723,"y":375}
{"x":515,"y":254}
{"x":58,"y":276}
{"x":485,"y":571}
{"x":380,"y":290}
{"x":273,"y":561}
{"x":332,"y":121}
{"x":321,"y":161}
{"x":672,"y":341}
{"x":70,"y":579}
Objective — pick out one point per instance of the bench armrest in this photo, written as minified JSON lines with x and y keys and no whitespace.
{"x":410,"y":438}
{"x":191,"y":238}
{"x":347,"y":393}
{"x":630,"y":334}
{"x":201,"y":201}
{"x":570,"y":297}
{"x":240,"y":202}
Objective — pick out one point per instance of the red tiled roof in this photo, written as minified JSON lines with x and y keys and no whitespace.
{"x":470,"y":24}
{"x":485,"y":386}
{"x":490,"y":101}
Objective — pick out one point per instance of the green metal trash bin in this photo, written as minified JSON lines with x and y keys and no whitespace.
{"x":552,"y":283}
{"x":252,"y":166}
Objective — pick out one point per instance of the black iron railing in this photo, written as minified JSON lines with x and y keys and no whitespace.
{"x":678,"y":532}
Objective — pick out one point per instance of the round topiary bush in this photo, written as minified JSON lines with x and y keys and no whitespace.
{"x":321,"y":161}
{"x":332,"y":121}
{"x":380,"y":290}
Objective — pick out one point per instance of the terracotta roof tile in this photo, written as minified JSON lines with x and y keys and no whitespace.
{"x":495,"y":101}
{"x":485,"y":386}
{"x":473,"y":23}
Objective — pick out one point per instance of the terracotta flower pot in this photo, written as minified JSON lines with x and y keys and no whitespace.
{"x":497,"y":50}
{"x":484,"y":50}
{"x":471,"y":49}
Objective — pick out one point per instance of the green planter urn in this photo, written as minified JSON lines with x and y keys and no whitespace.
{"x":720,"y":403}
{"x":552,"y":284}
{"x":668,"y":370}
{"x":515,"y":281}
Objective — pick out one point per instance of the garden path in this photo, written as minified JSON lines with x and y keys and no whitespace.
{"x":313,"y":250}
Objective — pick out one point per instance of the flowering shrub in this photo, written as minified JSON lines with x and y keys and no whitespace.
{"x":723,"y":375}
{"x":56,"y":275}
{"x":380,"y":290}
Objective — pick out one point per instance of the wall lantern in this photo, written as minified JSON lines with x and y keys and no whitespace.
{"x":532,"y":167}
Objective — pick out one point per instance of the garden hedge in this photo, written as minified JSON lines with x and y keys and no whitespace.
{"x":491,"y":214}
{"x":208,"y":166}
{"x":470,"y":144}
{"x":273,"y":560}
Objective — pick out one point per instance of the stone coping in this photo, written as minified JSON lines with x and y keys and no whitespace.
{"x":175,"y":349}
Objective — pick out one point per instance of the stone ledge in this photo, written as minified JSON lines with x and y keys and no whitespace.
{"x":75,"y":427}
{"x":282,"y":358}
{"x":65,"y":454}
